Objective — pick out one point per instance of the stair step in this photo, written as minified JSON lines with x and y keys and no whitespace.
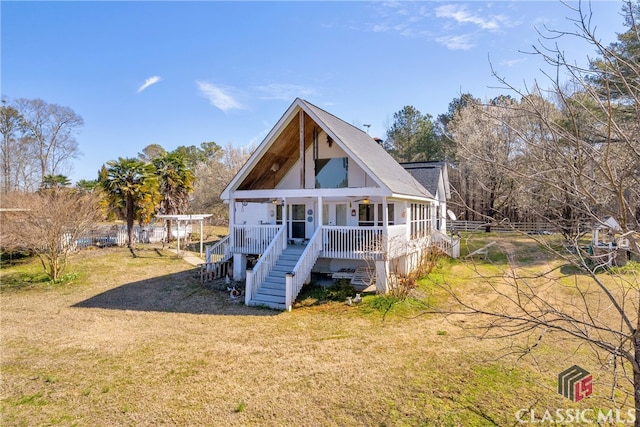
{"x":272,"y":305}
{"x":279,"y":293}
{"x":274,"y":284}
{"x":268,"y":298}
{"x":287,"y":261}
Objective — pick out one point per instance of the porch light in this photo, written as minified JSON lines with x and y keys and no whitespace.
{"x":365,"y":201}
{"x":275,"y":201}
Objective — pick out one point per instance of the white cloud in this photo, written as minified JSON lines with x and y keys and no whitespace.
{"x":512,"y":62}
{"x":461,"y":15}
{"x":218,"y":96}
{"x":460,"y":42}
{"x":284,"y":91}
{"x":150,"y":81}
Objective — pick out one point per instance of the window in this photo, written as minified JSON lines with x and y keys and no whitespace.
{"x":366,"y":215}
{"x":332,"y":173}
{"x":390,"y":211}
{"x":420,"y":220}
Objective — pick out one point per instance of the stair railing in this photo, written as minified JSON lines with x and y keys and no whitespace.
{"x":257,"y":275}
{"x":218,"y":251}
{"x":449,"y":245}
{"x":296,"y":278}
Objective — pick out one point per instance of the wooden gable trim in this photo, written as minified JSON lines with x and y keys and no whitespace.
{"x":281,"y":150}
{"x":264,"y":146}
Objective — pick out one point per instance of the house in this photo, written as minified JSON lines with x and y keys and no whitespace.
{"x":320,"y":195}
{"x":433,"y":176}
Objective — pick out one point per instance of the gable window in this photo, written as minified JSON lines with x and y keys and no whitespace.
{"x":332,"y":173}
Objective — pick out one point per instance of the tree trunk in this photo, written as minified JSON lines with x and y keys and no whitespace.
{"x":636,"y":373}
{"x":130,"y":218}
{"x":169,"y":231}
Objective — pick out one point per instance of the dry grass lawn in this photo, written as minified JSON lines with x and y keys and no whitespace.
{"x":137,"y":341}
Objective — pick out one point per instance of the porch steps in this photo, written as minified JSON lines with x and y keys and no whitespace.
{"x":272,"y":291}
{"x":364,"y":279}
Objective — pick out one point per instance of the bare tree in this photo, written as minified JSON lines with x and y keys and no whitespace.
{"x":578,"y":163}
{"x":213,"y":175}
{"x":50,"y":129}
{"x":9,"y":125}
{"x":48,"y":223}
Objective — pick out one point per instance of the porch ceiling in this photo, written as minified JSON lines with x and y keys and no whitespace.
{"x":284,"y":151}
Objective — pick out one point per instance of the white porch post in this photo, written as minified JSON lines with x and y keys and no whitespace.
{"x":284,"y":221}
{"x":239,"y":266}
{"x":232,"y":221}
{"x":382,"y":266}
{"x":407,"y":215}
{"x":178,"y":237}
{"x":382,"y":274}
{"x":201,"y":236}
{"x":320,"y":212}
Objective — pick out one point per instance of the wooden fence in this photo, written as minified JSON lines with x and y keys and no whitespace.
{"x":503,"y":227}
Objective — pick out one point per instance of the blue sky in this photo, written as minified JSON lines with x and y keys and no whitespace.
{"x":181,"y":73}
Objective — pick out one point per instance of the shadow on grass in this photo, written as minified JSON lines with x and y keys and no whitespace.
{"x":173,"y":293}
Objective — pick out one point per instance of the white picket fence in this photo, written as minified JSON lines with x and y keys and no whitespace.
{"x":117,"y":236}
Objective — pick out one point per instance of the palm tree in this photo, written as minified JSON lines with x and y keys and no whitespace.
{"x":54,"y":181}
{"x":130,"y":185}
{"x":176,"y":182}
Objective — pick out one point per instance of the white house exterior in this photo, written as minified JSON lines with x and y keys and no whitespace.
{"x":319,"y":194}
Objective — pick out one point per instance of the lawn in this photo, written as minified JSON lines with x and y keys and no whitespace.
{"x":138,"y":341}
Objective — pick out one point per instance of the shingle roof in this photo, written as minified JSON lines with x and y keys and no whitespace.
{"x":379,"y":163}
{"x":426,"y":173}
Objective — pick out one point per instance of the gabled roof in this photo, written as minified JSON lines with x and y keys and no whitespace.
{"x":430,"y":175}
{"x":358,"y":145}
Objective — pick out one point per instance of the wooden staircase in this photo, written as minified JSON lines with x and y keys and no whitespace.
{"x":272,"y":291}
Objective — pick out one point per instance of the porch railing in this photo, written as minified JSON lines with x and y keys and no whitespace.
{"x":302,"y":269}
{"x":269,"y":257}
{"x":253,"y":239}
{"x":351,"y":242}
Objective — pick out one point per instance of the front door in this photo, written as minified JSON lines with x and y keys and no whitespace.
{"x":297,"y":222}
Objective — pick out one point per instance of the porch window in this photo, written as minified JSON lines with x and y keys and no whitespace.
{"x":332,"y":173}
{"x":420,"y":220}
{"x":366,"y":215}
{"x":390,"y":212}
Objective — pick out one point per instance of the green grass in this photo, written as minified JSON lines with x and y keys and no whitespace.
{"x":137,"y":341}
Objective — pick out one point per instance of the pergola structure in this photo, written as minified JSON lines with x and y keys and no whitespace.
{"x":186,"y":218}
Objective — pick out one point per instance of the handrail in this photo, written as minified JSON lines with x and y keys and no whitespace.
{"x":260,"y":271}
{"x":449,"y":245}
{"x":220,"y":249}
{"x":302,"y":269}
